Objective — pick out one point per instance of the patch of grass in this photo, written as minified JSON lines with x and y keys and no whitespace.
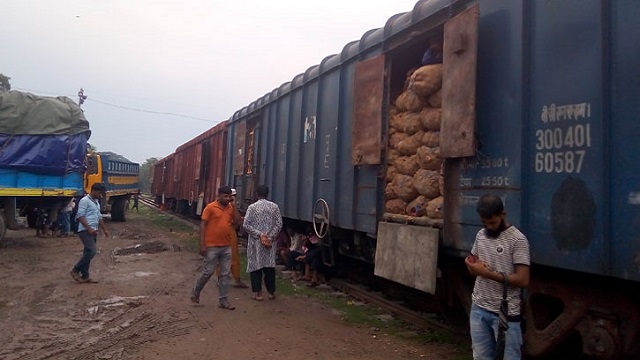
{"x":187,"y":234}
{"x":356,"y":313}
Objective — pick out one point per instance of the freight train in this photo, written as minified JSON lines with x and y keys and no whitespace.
{"x":538,"y":104}
{"x":44,"y":160}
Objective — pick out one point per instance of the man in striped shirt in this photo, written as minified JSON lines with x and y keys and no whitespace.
{"x":499,"y":249}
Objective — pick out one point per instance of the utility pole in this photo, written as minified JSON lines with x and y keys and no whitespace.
{"x":81,"y":97}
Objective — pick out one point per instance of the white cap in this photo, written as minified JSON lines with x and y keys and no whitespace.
{"x":233,"y":192}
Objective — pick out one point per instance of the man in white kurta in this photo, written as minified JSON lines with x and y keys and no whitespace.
{"x":263,"y":223}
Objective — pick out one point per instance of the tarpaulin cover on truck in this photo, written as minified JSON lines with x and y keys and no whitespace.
{"x":42,"y":134}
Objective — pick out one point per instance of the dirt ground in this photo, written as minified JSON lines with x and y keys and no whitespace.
{"x":140,"y":309}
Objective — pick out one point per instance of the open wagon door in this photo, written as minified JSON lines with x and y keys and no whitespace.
{"x":417,"y":245}
{"x":460,"y":54}
{"x":366,"y":146}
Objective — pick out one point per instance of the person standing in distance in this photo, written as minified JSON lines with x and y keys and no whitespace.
{"x":217,"y":228}
{"x":499,"y":249}
{"x":263,"y":223}
{"x":89,"y":220}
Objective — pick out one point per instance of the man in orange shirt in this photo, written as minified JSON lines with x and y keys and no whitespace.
{"x":217,"y":228}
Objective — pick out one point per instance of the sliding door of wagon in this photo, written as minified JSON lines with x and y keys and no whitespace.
{"x":366,"y":144}
{"x":567,"y":203}
{"x":251,"y":166}
{"x":280,"y":180}
{"x":326,"y":163}
{"x":308,"y":150}
{"x":625,"y":132}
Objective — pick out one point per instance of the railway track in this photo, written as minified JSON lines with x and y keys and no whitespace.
{"x":398,"y":308}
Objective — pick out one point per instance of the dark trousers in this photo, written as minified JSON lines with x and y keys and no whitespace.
{"x":269,"y":280}
{"x":89,"y":242}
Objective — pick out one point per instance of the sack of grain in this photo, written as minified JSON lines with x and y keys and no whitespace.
{"x":417,"y":207}
{"x":389,"y":192}
{"x":409,"y":145}
{"x":410,"y":101}
{"x":429,"y":158}
{"x":395,"y":206}
{"x":431,"y":119}
{"x":435,"y":208}
{"x":391,"y":173}
{"x":407,"y":165}
{"x":393,"y":155}
{"x":402,"y":185}
{"x":431,"y":139}
{"x":394,"y":139}
{"x":435,"y":100}
{"x":426,"y":183}
{"x":393,"y":110}
{"x":426,"y":80}
{"x":407,"y":122}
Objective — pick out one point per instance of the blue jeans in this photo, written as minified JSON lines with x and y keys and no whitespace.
{"x":89,"y":242}
{"x":65,"y":224}
{"x":215,"y":255}
{"x":484,"y":331}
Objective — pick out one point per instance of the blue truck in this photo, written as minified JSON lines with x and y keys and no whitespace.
{"x":43,"y":144}
{"x":539,"y":104}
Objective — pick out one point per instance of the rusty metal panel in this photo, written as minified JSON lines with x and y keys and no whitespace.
{"x":198,"y":162}
{"x":215,"y":162}
{"x":366,"y":145}
{"x":238,"y":155}
{"x":459,"y":85}
{"x":417,"y":246}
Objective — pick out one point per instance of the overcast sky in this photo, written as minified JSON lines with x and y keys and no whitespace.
{"x":201,"y":59}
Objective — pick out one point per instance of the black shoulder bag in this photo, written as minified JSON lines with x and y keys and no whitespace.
{"x":503,"y":324}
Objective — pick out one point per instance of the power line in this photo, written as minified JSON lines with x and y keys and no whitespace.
{"x":123,"y":107}
{"x":148,"y":111}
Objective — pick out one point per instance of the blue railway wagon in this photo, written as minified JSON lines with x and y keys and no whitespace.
{"x":539,"y":101}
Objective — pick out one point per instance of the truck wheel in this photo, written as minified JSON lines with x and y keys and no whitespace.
{"x":3,"y":227}
{"x":118,"y":209}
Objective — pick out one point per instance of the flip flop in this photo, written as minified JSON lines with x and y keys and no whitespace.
{"x":312,"y":284}
{"x":257,"y":298}
{"x":272,"y":296}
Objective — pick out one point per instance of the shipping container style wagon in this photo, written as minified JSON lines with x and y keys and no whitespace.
{"x":162,"y":184}
{"x":187,"y":180}
{"x":538,"y":104}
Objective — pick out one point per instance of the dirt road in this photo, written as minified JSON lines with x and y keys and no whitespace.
{"x":140,"y":309}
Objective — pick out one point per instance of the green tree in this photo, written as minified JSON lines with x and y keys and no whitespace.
{"x":4,"y":83}
{"x":146,"y":174}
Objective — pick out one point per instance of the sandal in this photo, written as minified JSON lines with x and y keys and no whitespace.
{"x":240,"y":285}
{"x":312,"y":284}
{"x":257,"y":298}
{"x":224,"y":304}
{"x":195,"y":298}
{"x":272,"y":296}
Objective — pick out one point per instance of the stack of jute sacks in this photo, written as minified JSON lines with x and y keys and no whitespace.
{"x":414,"y":173}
